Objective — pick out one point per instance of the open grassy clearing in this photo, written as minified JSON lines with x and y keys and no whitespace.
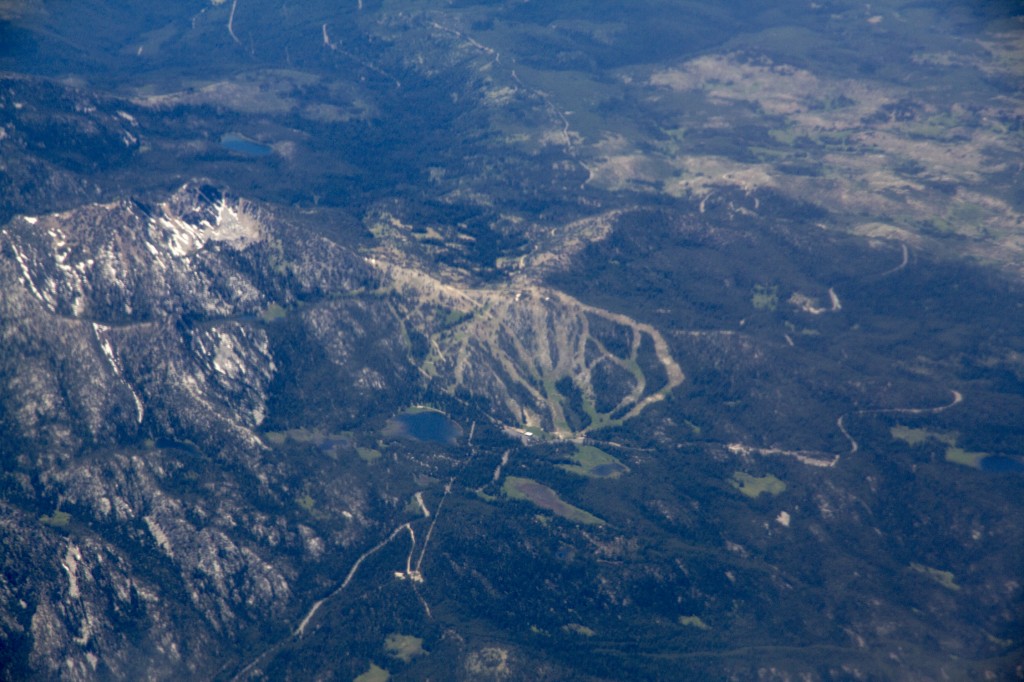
{"x":516,"y":488}
{"x":595,"y":463}
{"x":965,"y":457}
{"x":754,"y":486}
{"x":917,"y":436}
{"x":294,"y":435}
{"x":954,"y":454}
{"x":368,"y":454}
{"x":944,"y":578}
{"x":303,"y":435}
{"x":59,"y":519}
{"x":330,"y":443}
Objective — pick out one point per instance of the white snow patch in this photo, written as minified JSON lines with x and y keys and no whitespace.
{"x":236,"y":226}
{"x":109,"y":260}
{"x":85,"y":633}
{"x":192,"y":386}
{"x":810,"y":305}
{"x":108,"y":349}
{"x":25,"y":272}
{"x":140,"y":412}
{"x":500,"y":96}
{"x":226,"y":361}
{"x":809,"y":457}
{"x":182,"y":238}
{"x":233,"y":225}
{"x":423,"y":507}
{"x":159,"y":535}
{"x":50,"y":293}
{"x":836,"y":305}
{"x":70,"y":564}
{"x":806,"y":304}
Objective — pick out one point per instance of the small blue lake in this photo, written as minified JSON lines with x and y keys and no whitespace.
{"x":426,"y":425}
{"x":243,"y":145}
{"x":1000,"y":464}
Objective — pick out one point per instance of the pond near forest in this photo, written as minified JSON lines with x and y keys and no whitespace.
{"x":424,"y":425}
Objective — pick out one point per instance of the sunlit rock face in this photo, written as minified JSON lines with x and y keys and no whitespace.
{"x":124,"y":332}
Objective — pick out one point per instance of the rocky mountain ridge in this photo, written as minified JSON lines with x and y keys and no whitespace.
{"x":137,"y":340}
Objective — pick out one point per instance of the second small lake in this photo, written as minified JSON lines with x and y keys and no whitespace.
{"x":998,"y":463}
{"x":244,"y":145}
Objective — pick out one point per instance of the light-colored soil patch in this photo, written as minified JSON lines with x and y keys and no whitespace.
{"x":403,"y":647}
{"x":867,"y":148}
{"x":374,"y":674}
{"x":368,"y":454}
{"x":489,"y":663}
{"x":577,"y":629}
{"x":694,"y":622}
{"x":273,"y":312}
{"x":944,"y":578}
{"x":965,"y":457}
